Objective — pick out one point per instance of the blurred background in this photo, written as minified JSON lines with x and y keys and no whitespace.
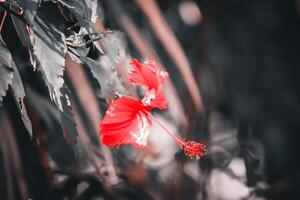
{"x":233,"y":84}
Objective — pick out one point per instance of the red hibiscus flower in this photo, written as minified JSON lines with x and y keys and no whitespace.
{"x":127,"y":119}
{"x":149,"y":76}
{"x":126,"y":122}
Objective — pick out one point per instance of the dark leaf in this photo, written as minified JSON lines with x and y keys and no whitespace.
{"x":75,"y":53}
{"x":76,"y":45}
{"x":86,"y":13}
{"x":103,"y":70}
{"x":116,"y":60}
{"x":57,"y":146}
{"x":9,"y":75}
{"x":22,"y":32}
{"x":49,"y":50}
{"x":107,"y":78}
{"x":81,"y":9}
{"x":67,"y":118}
{"x":112,"y":51}
{"x":109,"y":69}
{"x":6,"y":69}
{"x":19,"y":94}
{"x":30,"y":8}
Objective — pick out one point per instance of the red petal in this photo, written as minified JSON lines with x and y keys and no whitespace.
{"x":125,"y":122}
{"x":148,"y":75}
{"x":155,"y":99}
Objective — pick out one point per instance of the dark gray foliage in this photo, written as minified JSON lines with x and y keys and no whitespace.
{"x":104,"y":69}
{"x":76,"y":45}
{"x":19,"y":94}
{"x":30,"y":8}
{"x":49,"y":50}
{"x":109,"y":86}
{"x":6,"y":69}
{"x":81,"y":9}
{"x":9,"y":76}
{"x":21,"y":31}
{"x":57,"y":146}
{"x":67,"y":119}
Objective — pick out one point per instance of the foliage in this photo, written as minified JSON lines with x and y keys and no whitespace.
{"x":61,"y":67}
{"x":233,"y":82}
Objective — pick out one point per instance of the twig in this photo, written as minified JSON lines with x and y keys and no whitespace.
{"x":65,"y":4}
{"x":3,"y":20}
{"x":100,"y":36}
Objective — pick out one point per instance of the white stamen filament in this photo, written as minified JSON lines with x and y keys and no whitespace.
{"x":143,"y":130}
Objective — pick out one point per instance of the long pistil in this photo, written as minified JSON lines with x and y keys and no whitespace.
{"x":191,"y":148}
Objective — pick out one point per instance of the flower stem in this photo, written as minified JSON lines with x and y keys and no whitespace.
{"x":176,"y":138}
{"x":191,"y":148}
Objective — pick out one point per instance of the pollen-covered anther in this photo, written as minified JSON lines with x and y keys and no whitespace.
{"x":194,"y":149}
